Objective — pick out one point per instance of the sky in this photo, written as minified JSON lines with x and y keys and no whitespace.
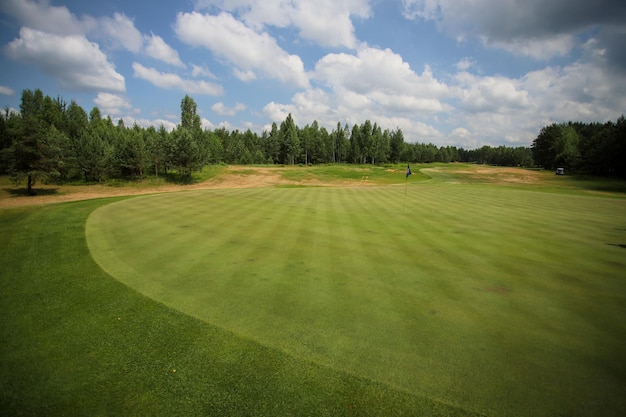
{"x":462,"y":73}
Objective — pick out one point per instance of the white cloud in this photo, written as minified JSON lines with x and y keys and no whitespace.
{"x":465,"y":64}
{"x":580,"y":91}
{"x":118,"y":31}
{"x":113,"y":104}
{"x":500,"y":110}
{"x":200,"y":71}
{"x":174,"y":81}
{"x":543,"y":49}
{"x":6,"y":90}
{"x":46,"y":18}
{"x":206,"y":124}
{"x":246,"y":49}
{"x":425,"y":9}
{"x":244,"y":76}
{"x":328,"y":22}
{"x":223,"y":110}
{"x":325,"y":22}
{"x":490,"y":94}
{"x":383,"y":77}
{"x":372,"y":84}
{"x":121,"y":29}
{"x":352,"y":109}
{"x":158,"y":49}
{"x":74,"y":61}
{"x":156,"y":123}
{"x":461,"y":132}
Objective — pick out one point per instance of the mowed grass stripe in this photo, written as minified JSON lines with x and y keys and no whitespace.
{"x":75,"y":342}
{"x":439,"y":292}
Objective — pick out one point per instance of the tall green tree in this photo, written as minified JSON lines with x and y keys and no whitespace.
{"x":544,"y":151}
{"x":93,"y":150}
{"x":290,"y":143}
{"x":566,"y":150}
{"x":189,"y":118}
{"x":36,"y":152}
{"x":10,"y":125}
{"x":365,"y":142}
{"x":273,"y":145}
{"x":354,"y":150}
{"x":396,"y":144}
{"x":186,"y":155}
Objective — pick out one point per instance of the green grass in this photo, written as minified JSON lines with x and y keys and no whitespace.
{"x":456,"y":299}
{"x":75,"y":342}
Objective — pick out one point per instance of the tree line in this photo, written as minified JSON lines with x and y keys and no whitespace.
{"x":50,"y":138}
{"x":592,"y":148}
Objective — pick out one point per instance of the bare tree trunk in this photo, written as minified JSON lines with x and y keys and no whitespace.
{"x":30,"y":184}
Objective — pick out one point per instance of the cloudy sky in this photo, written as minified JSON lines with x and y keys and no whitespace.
{"x":451,"y":72}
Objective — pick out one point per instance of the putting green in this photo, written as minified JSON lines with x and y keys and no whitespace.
{"x":498,"y":300}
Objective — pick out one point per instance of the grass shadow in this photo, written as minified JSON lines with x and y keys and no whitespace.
{"x":23,"y":192}
{"x":607,"y":185}
{"x":619,"y":245}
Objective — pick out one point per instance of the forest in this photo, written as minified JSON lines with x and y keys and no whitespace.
{"x":49,"y":139}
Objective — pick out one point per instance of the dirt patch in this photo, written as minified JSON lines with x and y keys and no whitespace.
{"x":494,"y":175}
{"x":234,"y":177}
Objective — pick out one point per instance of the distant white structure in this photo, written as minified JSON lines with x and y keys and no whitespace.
{"x":560,"y":171}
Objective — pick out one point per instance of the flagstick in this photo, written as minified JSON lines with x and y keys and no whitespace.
{"x":405,"y":195}
{"x":405,"y":182}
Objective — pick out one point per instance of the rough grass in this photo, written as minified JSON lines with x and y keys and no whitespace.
{"x":458,"y":299}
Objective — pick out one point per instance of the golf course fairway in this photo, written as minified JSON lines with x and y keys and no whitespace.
{"x":497,"y":300}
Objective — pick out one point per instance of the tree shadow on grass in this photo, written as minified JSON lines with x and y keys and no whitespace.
{"x":178,"y":179}
{"x":23,"y":192}
{"x":619,"y":245}
{"x":610,"y":185}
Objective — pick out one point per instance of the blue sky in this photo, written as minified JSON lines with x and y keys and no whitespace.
{"x":451,"y":72}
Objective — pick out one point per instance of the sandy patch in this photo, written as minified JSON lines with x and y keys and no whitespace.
{"x":235,"y":177}
{"x":493,"y":175}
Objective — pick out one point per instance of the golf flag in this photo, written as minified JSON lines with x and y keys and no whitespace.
{"x":408,"y":171}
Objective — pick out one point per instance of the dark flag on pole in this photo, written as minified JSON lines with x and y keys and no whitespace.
{"x":408,"y":171}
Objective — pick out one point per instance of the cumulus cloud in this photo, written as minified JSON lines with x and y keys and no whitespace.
{"x":156,"y":123}
{"x":117,"y":31}
{"x":371,"y":84}
{"x":174,"y":81}
{"x":74,"y":61}
{"x":465,"y":64}
{"x":245,"y":76}
{"x":490,"y":94}
{"x":325,"y":22}
{"x":122,"y":31}
{"x":46,"y":18}
{"x":157,"y":48}
{"x":201,"y":71}
{"x":328,"y":22}
{"x":246,"y":49}
{"x":113,"y":104}
{"x":580,"y":91}
{"x":6,"y":90}
{"x":381,"y":76}
{"x":500,"y":110}
{"x":223,"y":110}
